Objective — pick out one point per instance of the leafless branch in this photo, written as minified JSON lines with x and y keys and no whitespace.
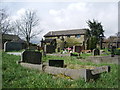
{"x":26,"y":25}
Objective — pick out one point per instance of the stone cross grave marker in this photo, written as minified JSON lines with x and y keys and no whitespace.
{"x":56,"y":63}
{"x":33,"y":57}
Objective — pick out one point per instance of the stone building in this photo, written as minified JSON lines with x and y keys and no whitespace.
{"x":112,"y":40}
{"x":68,"y":38}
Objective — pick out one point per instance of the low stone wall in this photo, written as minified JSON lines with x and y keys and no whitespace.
{"x":75,"y":74}
{"x":103,"y":59}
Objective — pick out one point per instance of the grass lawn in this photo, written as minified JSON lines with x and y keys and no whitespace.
{"x":16,"y":76}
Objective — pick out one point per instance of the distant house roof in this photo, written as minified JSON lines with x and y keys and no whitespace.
{"x":48,"y":40}
{"x":112,"y":39}
{"x":105,"y":40}
{"x":65,"y":32}
{"x":10,"y":37}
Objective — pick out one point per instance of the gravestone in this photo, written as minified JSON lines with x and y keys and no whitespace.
{"x":49,"y":48}
{"x":56,"y":63}
{"x":77,"y":49}
{"x":12,"y":46}
{"x":96,"y":52}
{"x":33,"y":57}
{"x":112,"y":51}
{"x":58,"y":49}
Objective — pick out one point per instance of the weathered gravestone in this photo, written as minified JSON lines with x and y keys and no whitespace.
{"x":33,"y":57}
{"x":56,"y":63}
{"x":58,"y":49}
{"x":96,"y":52}
{"x":49,"y":48}
{"x":12,"y":46}
{"x":77,"y":49}
{"x":112,"y":51}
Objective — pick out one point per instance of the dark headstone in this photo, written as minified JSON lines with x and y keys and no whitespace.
{"x":96,"y":52}
{"x":12,"y":46}
{"x":49,"y":48}
{"x":58,"y":49}
{"x":112,"y":51}
{"x":33,"y":57}
{"x":56,"y":63}
{"x":77,"y":49}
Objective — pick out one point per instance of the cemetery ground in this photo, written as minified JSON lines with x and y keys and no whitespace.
{"x":16,"y":76}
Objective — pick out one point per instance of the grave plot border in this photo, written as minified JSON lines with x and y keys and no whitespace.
{"x":75,"y":74}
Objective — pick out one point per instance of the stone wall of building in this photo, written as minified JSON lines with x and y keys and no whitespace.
{"x":70,"y":40}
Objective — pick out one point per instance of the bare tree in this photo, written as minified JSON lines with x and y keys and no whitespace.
{"x":5,"y":26}
{"x":27,"y":24}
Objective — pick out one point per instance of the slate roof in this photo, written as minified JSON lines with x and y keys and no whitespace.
{"x":48,"y":40}
{"x":112,"y":39}
{"x":10,"y":37}
{"x":65,"y":32}
{"x":20,"y":41}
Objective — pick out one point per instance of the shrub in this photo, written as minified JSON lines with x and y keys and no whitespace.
{"x":117,"y":51}
{"x":75,"y":54}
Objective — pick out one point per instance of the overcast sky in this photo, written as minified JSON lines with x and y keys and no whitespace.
{"x":68,"y":15}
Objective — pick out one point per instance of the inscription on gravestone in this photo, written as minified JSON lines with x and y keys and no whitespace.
{"x":33,"y":57}
{"x":56,"y":63}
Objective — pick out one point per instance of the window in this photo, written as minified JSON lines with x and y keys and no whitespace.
{"x":77,"y":36}
{"x":68,"y":36}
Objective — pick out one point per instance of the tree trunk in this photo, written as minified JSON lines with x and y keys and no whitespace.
{"x":28,"y":42}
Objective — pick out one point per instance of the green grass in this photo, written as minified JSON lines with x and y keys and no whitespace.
{"x":85,"y":55}
{"x":16,"y":76}
{"x":106,"y":50}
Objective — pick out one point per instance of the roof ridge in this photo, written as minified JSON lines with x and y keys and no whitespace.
{"x":68,"y":30}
